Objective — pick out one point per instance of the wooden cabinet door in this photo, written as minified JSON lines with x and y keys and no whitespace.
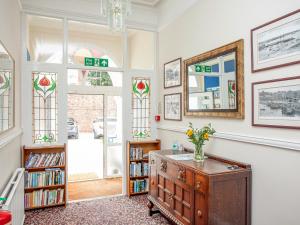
{"x":200,"y":209}
{"x":183,"y":203}
{"x":165,"y":189}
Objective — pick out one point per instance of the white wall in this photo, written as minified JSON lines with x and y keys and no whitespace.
{"x":210,"y":24}
{"x":141,"y":49}
{"x":10,"y":37}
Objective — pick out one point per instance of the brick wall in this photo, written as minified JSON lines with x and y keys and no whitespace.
{"x":86,"y":108}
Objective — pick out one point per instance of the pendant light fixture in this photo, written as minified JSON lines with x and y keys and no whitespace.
{"x":116,"y":12}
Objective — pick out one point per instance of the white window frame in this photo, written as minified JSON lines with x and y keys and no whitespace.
{"x":61,"y":69}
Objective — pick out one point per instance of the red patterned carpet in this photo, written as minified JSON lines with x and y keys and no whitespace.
{"x":108,"y":211}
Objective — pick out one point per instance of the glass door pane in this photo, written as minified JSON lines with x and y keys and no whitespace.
{"x":114,"y":136}
{"x":85,"y":136}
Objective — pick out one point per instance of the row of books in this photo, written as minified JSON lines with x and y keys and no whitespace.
{"x":137,"y":186}
{"x":45,"y":178}
{"x":139,"y":169}
{"x":44,"y":198}
{"x":45,"y":160}
{"x":136,"y":153}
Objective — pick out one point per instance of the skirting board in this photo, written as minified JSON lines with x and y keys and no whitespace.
{"x":284,"y":144}
{"x":10,"y":137}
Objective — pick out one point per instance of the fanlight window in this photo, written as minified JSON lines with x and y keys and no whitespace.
{"x":44,"y":107}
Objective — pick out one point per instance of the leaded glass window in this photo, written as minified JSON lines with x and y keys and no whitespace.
{"x":6,"y":100}
{"x":44,"y":107}
{"x":141,"y":108}
{"x":97,"y":78}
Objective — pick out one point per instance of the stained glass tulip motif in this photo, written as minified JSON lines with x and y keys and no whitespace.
{"x":44,"y":85}
{"x":4,"y":83}
{"x":141,"y":88}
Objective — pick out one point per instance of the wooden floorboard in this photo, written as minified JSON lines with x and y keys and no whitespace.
{"x":94,"y":189}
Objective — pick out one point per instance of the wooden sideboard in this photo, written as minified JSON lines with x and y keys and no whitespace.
{"x":216,"y":192}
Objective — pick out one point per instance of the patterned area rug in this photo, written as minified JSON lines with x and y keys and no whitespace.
{"x":109,"y":211}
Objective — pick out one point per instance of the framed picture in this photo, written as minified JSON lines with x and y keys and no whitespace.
{"x":276,"y":43}
{"x":276,"y":103}
{"x":173,"y":107}
{"x":172,"y":73}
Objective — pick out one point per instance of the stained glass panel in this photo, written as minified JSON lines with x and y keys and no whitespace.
{"x":141,"y":108}
{"x":6,"y":100}
{"x":44,"y":107}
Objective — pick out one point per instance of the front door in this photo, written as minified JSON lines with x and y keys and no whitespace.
{"x":94,"y":124}
{"x":85,"y":128}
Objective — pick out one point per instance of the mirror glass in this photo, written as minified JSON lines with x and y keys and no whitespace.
{"x":212,"y":84}
{"x":6,"y":90}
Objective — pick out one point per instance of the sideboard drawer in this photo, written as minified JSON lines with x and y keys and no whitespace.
{"x":175,"y":172}
{"x":201,"y":183}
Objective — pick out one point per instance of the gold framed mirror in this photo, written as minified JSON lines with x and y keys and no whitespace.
{"x":7,"y":73}
{"x":214,"y":83}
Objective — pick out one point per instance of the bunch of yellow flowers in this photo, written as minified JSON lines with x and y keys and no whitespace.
{"x":199,"y":136}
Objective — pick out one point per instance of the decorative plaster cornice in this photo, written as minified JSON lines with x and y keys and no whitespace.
{"x":93,"y":17}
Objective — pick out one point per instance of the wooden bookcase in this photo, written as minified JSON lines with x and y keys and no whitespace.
{"x":146,"y":146}
{"x":26,"y":150}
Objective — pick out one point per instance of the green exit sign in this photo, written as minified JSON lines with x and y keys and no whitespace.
{"x":99,"y":62}
{"x":202,"y":68}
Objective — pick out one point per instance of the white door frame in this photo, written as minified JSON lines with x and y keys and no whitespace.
{"x":61,"y":69}
{"x":105,"y":91}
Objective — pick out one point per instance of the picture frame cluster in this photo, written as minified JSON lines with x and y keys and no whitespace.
{"x":275,"y":103}
{"x":172,"y":79}
{"x":276,"y":44}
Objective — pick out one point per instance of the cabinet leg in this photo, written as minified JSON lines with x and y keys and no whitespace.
{"x":150,"y":206}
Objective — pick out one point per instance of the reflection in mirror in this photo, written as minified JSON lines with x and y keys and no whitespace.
{"x":6,"y":90}
{"x":212,"y":83}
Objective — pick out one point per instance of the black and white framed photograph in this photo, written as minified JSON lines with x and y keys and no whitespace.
{"x":172,"y":73}
{"x":276,"y":43}
{"x":276,"y":103}
{"x":172,"y":107}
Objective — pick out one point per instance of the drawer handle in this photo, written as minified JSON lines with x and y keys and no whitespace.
{"x":171,"y":197}
{"x":181,"y":175}
{"x":198,"y":185}
{"x":199,"y":213}
{"x":152,"y":182}
{"x":163,"y":166}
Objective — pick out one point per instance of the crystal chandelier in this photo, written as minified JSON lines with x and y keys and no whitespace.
{"x":116,"y":12}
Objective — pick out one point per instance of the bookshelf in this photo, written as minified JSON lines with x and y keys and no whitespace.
{"x":45,"y":176}
{"x":138,"y":165}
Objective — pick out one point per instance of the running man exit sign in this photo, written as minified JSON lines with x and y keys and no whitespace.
{"x":202,"y":68}
{"x":99,"y":62}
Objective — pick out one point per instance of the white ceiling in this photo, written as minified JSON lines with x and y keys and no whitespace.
{"x":147,"y":14}
{"x":147,"y":2}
